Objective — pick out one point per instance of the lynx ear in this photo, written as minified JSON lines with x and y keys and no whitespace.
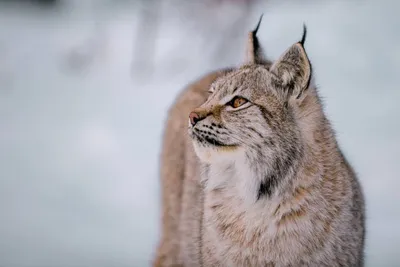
{"x":254,"y":54}
{"x":293,"y":68}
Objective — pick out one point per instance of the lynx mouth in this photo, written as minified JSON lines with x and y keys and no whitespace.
{"x":208,"y":140}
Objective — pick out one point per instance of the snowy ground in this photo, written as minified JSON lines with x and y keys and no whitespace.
{"x":79,"y":147}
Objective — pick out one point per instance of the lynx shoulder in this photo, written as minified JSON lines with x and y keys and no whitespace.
{"x":252,"y":174}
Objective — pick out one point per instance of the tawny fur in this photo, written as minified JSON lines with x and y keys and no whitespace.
{"x":180,"y":176}
{"x":263,"y":184}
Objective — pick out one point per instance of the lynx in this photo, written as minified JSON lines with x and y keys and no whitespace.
{"x":255,"y":176}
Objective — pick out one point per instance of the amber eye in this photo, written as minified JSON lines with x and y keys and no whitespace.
{"x":237,"y":102}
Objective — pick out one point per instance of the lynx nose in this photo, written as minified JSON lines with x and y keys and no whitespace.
{"x":194,"y":118}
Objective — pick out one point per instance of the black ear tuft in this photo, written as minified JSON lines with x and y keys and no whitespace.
{"x":258,"y":25}
{"x":256,"y":42}
{"x":303,"y":38}
{"x":254,"y":53}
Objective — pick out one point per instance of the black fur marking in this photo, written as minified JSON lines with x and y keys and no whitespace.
{"x":266,"y":187}
{"x":256,"y":43}
{"x":208,"y":137}
{"x":258,"y":25}
{"x":269,"y":142}
{"x":266,"y":114}
{"x":279,"y":170}
{"x":303,"y":38}
{"x":213,"y":141}
{"x":198,"y":137}
{"x":258,"y":147}
{"x":209,"y":133}
{"x":254,"y":130}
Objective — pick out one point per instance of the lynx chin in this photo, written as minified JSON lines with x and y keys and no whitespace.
{"x":252,"y":174}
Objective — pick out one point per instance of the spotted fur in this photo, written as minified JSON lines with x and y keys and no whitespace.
{"x":263,"y":184}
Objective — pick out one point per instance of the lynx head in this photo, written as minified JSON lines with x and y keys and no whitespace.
{"x":251,"y":111}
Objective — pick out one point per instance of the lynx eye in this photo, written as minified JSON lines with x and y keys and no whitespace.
{"x":237,"y":101}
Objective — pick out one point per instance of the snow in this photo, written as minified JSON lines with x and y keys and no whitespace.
{"x":80,"y":138}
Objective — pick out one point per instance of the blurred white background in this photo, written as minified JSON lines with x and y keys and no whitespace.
{"x":84,"y":91}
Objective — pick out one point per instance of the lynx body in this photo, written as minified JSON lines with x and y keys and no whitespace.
{"x":254,"y":176}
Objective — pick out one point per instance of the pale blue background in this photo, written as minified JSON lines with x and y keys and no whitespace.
{"x":79,"y":145}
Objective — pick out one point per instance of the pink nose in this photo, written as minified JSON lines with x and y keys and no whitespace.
{"x":194,"y":118}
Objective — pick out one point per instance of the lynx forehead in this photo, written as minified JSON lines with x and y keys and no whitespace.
{"x":260,"y":179}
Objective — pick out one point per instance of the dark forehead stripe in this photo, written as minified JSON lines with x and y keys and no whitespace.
{"x":265,"y":114}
